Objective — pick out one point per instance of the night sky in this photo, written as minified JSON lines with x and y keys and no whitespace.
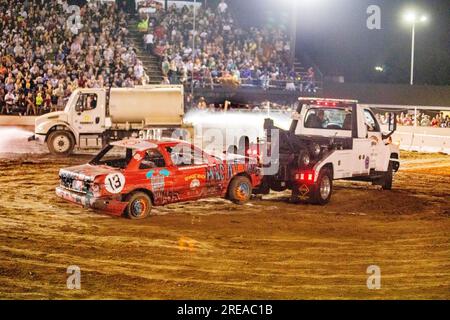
{"x":334,"y":34}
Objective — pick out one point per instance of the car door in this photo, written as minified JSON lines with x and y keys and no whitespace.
{"x":154,"y":173}
{"x":375,"y":139}
{"x":89,"y":113}
{"x":89,"y":119}
{"x":189,"y":172}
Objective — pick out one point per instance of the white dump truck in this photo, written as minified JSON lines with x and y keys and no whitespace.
{"x":94,"y":117}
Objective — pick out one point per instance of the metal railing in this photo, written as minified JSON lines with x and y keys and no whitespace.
{"x":311,"y":86}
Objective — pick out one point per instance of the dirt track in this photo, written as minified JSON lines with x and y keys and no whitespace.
{"x":269,"y":249}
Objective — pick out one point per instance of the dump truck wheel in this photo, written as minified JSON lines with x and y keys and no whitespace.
{"x":60,"y":143}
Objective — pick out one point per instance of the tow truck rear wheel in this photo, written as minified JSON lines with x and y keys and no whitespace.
{"x":240,"y":190}
{"x":324,"y":188}
{"x":139,"y":206}
{"x":60,"y":143}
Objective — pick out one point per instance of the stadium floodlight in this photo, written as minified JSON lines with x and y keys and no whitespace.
{"x":413,"y":18}
{"x":379,"y":68}
{"x":410,"y":17}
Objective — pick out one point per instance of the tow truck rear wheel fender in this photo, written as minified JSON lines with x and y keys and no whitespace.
{"x":240,"y":190}
{"x":139,"y":205}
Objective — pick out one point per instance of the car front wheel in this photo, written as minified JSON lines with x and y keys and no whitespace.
{"x":139,"y":206}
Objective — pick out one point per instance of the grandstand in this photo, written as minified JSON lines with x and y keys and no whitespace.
{"x":136,"y":43}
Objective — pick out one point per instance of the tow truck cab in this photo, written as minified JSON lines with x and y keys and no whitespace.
{"x":331,"y":139}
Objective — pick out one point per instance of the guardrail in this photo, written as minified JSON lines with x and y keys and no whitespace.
{"x":265,"y":84}
{"x":423,"y":139}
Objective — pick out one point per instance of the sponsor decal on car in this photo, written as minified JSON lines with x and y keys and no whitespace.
{"x":194,"y":184}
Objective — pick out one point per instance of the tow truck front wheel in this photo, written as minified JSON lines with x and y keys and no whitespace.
{"x":323,"y":189}
{"x":386,"y":181}
{"x":60,"y":143}
{"x":139,"y":206}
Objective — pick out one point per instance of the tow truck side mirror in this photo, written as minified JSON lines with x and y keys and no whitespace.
{"x":392,"y":125}
{"x":392,"y":122}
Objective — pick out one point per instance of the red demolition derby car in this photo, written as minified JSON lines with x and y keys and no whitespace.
{"x":129,"y":177}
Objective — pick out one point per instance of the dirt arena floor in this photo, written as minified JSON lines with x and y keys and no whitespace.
{"x":212,"y":249}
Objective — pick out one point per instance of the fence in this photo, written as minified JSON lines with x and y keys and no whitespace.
{"x":423,"y":139}
{"x":265,"y":84}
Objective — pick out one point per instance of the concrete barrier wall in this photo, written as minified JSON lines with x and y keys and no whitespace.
{"x":17,"y":121}
{"x":423,"y":139}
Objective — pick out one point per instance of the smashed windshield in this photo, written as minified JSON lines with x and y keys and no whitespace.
{"x":114,"y":156}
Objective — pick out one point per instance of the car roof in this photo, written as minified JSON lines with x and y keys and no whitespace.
{"x":144,"y":144}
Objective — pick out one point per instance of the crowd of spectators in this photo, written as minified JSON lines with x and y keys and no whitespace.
{"x":438,"y":120}
{"x":43,"y":59}
{"x":224,"y":52}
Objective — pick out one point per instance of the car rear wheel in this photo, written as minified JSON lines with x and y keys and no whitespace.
{"x":139,"y":206}
{"x":240,"y":190}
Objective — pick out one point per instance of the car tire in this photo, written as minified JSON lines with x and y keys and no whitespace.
{"x":240,"y":190}
{"x":386,"y":183}
{"x":60,"y":143}
{"x":139,"y":206}
{"x":323,"y":188}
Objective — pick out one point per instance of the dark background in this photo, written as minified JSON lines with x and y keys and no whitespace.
{"x":334,"y":34}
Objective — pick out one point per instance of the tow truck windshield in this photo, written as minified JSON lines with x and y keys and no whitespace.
{"x":332,"y":118}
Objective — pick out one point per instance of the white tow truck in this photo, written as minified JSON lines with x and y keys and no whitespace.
{"x":94,"y":117}
{"x":330,"y":140}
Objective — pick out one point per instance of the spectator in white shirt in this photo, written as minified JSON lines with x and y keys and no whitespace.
{"x":10,"y":99}
{"x":138,"y":71}
{"x":222,"y":7}
{"x":148,"y":39}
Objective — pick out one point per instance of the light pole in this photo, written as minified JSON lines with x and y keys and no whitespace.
{"x":412,"y":18}
{"x":193,"y":50}
{"x":294,"y":30}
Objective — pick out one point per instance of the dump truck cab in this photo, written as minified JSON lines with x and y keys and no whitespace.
{"x":331,"y":139}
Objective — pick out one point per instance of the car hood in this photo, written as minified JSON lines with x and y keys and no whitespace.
{"x":86,"y":172}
